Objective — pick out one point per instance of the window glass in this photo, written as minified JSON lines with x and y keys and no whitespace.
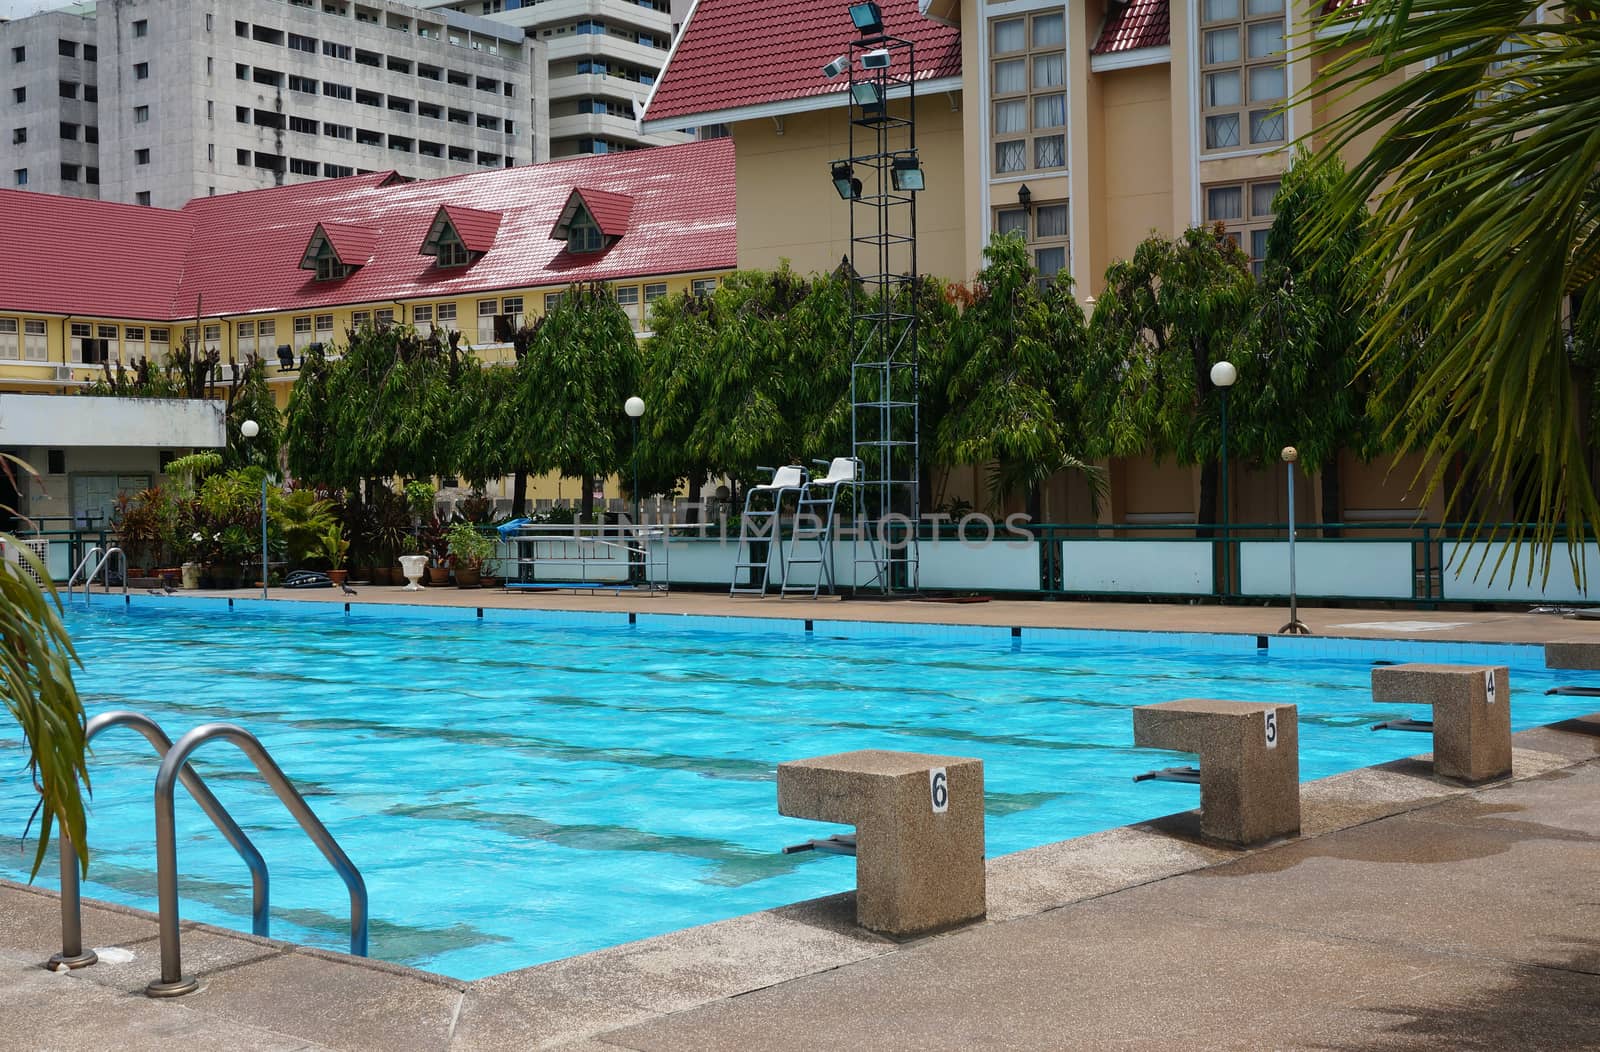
{"x":1010,"y":34}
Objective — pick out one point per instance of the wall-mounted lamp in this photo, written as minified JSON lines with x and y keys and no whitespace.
{"x":845,"y":182}
{"x":868,"y":19}
{"x":907,"y":173}
{"x":1025,"y":198}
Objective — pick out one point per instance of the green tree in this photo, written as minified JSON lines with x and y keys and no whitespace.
{"x":581,"y":365}
{"x":756,"y":374}
{"x":251,"y":398}
{"x":1485,"y":183}
{"x":1299,"y":357}
{"x":1166,"y":316}
{"x":309,"y":435}
{"x":1002,"y":375}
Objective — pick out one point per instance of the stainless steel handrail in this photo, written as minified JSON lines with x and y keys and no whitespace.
{"x":173,"y":982}
{"x":103,"y":565}
{"x":72,"y":952}
{"x":88,"y":557}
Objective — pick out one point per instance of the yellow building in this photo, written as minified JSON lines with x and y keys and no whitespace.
{"x":93,"y":285}
{"x":1083,"y":126}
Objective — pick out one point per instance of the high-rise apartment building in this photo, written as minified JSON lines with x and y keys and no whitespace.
{"x":49,"y":132}
{"x":187,"y":98}
{"x":603,"y":58}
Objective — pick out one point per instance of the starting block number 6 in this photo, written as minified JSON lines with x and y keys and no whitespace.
{"x":1272,"y":728}
{"x":939,"y":790}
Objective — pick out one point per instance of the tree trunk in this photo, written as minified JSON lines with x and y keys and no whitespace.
{"x":519,"y":493}
{"x":588,"y":498}
{"x":1332,"y":496}
{"x":1035,"y":505}
{"x":1206,"y":516}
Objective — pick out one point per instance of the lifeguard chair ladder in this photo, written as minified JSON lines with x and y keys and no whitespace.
{"x":813,"y":525}
{"x":762,"y":525}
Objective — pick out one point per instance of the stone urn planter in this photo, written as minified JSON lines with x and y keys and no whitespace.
{"x":413,"y":567}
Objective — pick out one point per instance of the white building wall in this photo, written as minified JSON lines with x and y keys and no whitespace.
{"x":49,"y":161}
{"x":632,"y":48}
{"x":235,"y":105}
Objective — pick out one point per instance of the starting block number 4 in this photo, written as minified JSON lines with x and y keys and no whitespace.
{"x":939,"y":790}
{"x":1272,"y":728}
{"x":1488,"y":686}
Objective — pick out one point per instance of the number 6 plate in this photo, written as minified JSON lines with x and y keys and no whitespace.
{"x":939,"y":790}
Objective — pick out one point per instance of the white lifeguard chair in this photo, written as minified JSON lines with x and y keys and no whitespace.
{"x":762,"y":525}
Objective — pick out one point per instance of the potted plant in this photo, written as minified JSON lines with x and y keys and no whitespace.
{"x":489,"y":575}
{"x":335,"y":548}
{"x":434,"y":537}
{"x":470,"y":550}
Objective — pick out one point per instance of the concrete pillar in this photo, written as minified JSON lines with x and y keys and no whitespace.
{"x":919,"y":832}
{"x":1471,"y":714}
{"x":1249,"y":762}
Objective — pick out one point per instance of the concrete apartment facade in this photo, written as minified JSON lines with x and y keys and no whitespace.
{"x":49,"y":76}
{"x":200,"y":97}
{"x":603,"y":57}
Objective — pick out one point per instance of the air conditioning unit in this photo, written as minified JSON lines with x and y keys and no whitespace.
{"x":63,"y":373}
{"x":37,"y":545}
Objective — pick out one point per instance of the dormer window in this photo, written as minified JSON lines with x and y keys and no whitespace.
{"x":329,"y":268}
{"x":583,"y":233}
{"x":459,"y":236}
{"x":336,"y":250}
{"x":452,"y":253}
{"x":592,"y":220}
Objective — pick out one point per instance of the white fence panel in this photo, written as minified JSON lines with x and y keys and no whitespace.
{"x":996,"y":566}
{"x":1366,"y":569}
{"x":1137,"y":567}
{"x":1478,"y":579}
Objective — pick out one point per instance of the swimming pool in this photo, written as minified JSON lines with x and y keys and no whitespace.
{"x":525,"y":786}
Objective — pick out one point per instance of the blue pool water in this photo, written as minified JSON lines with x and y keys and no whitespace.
{"x":525,"y":787}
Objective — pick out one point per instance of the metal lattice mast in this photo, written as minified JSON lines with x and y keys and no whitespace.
{"x":885,"y":429}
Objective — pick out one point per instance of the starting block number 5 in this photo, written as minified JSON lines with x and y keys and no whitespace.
{"x":1272,"y":728}
{"x":939,"y":790}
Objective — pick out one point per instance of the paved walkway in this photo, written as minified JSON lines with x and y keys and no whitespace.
{"x":1413,"y":915}
{"x":1451,"y":623}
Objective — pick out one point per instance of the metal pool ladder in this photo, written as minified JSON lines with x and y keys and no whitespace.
{"x":173,"y":982}
{"x":72,"y":952}
{"x":102,"y":567}
{"x":174,"y":768}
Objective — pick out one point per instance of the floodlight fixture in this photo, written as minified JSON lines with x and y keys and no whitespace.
{"x":868,"y":18}
{"x":845,"y":181}
{"x":866,"y":94}
{"x":836,"y":67}
{"x":907,"y":173}
{"x":876,"y":59}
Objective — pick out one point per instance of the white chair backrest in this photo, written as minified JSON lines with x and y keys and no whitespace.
{"x":787,"y":477}
{"x":840,"y":469}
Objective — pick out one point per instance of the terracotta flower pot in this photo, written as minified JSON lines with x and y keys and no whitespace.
{"x":439,"y":575}
{"x":338,"y":577}
{"x":468,"y":578}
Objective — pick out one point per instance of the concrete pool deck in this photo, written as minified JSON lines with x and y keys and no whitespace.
{"x":1412,"y":914}
{"x":1445,"y":624}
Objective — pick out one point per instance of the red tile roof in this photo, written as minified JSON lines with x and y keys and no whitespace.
{"x":351,"y":243}
{"x":609,"y":211}
{"x":736,"y":53}
{"x":475,"y":227}
{"x":240,"y":253}
{"x":1134,"y":25}
{"x":71,"y":256}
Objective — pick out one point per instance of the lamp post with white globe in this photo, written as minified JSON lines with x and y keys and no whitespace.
{"x":1223,"y":376}
{"x":250,"y":429}
{"x":634,"y":407}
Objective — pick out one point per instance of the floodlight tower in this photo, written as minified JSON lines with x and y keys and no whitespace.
{"x":880,"y":181}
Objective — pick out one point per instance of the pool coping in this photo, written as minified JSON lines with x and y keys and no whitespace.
{"x":247,"y":979}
